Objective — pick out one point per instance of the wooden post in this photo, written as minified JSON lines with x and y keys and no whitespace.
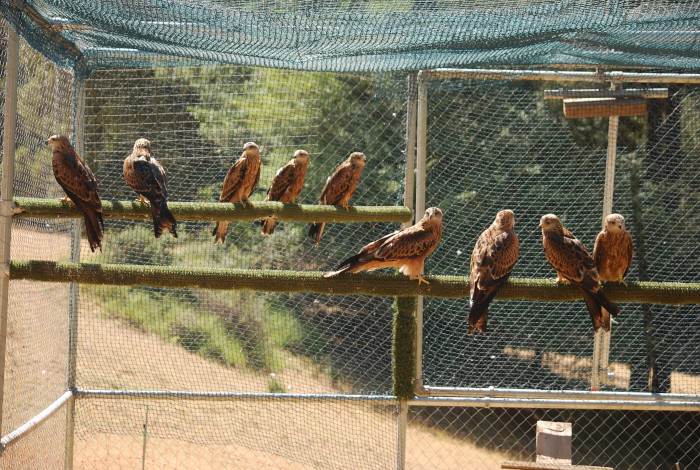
{"x":553,"y":442}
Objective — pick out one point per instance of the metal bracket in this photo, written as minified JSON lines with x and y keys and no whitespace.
{"x":4,"y":270}
{"x":8,"y":208}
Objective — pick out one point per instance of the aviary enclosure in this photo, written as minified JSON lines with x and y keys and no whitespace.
{"x":176,"y":353}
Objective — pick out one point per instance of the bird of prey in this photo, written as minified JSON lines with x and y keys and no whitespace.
{"x":147,"y":177}
{"x":493,"y":259}
{"x":80,"y":185}
{"x":286,"y":185}
{"x":339,"y":188}
{"x":240,"y":181}
{"x":405,"y":249}
{"x":574,"y":264}
{"x":613,"y":250}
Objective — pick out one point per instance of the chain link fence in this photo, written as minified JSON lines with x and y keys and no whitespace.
{"x":147,"y":357}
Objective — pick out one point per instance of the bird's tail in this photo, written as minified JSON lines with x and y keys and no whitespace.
{"x":479,"y":307}
{"x":316,"y":231}
{"x":93,"y":224}
{"x":163,"y":219}
{"x":350,"y":265}
{"x":600,"y":308}
{"x":268,"y":226}
{"x":219,"y":231}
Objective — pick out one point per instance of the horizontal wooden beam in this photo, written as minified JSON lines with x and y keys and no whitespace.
{"x":388,"y":285}
{"x":646,"y":93}
{"x":210,"y":211}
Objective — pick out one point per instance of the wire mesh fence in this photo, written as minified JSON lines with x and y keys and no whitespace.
{"x":491,"y":145}
{"x":500,"y":145}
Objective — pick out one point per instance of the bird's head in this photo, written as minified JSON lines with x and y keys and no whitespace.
{"x":251,"y":149}
{"x":433,"y":213}
{"x":60,"y":143}
{"x":142,"y":147}
{"x":358,"y":158}
{"x":301,"y":156}
{"x":551,"y":223}
{"x":505,"y":219}
{"x":614,"y":223}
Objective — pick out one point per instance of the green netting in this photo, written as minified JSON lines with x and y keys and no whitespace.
{"x":367,"y":35}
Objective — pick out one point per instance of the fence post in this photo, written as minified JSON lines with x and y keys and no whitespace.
{"x":421,"y":157}
{"x":601,"y":341}
{"x":8,"y":173}
{"x":79,"y":133}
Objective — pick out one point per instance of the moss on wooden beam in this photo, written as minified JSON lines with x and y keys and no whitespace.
{"x":388,"y":285}
{"x":403,"y":348}
{"x":209,"y":211}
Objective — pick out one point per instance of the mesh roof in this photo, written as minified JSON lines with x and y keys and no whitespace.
{"x":360,"y":36}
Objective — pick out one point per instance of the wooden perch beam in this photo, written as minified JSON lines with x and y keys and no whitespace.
{"x":389,"y":285}
{"x":210,"y":211}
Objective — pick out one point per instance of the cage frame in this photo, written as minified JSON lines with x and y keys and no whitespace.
{"x":415,"y":184}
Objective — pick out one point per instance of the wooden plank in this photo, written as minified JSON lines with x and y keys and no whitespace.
{"x":517,"y":465}
{"x":553,"y":442}
{"x":601,"y":107}
{"x":562,"y":94}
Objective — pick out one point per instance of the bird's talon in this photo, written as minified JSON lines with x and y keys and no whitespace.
{"x":421,"y":279}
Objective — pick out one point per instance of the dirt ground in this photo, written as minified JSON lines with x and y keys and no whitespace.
{"x":247,"y":434}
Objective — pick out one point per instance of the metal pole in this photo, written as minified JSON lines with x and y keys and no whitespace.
{"x":6,"y":204}
{"x":601,"y":341}
{"x":409,"y":195}
{"x":401,"y":437}
{"x":563,"y":75}
{"x":410,"y":181}
{"x":79,"y":125}
{"x":421,"y":151}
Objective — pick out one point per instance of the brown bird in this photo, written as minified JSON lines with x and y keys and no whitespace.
{"x":339,"y":188}
{"x":405,"y":249}
{"x":80,"y":185}
{"x":147,"y":177}
{"x":494,"y":256}
{"x":574,"y":264}
{"x":613,"y":250}
{"x":286,"y":185}
{"x":240,"y":181}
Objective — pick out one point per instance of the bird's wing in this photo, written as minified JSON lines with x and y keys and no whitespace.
{"x":628,"y":250}
{"x":337,"y":185}
{"x":159,"y":175}
{"x":598,"y":248}
{"x":146,"y":178}
{"x":414,"y":242}
{"x":281,"y":182}
{"x":234,"y":179}
{"x":76,"y":177}
{"x":505,"y":254}
{"x":571,"y":259}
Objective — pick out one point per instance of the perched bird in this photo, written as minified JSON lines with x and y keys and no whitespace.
{"x":286,"y":185}
{"x":240,"y":181}
{"x":613,"y":250}
{"x":574,"y":264}
{"x":405,"y":249}
{"x":339,"y":188}
{"x":147,"y":177}
{"x":493,"y":259}
{"x":80,"y":185}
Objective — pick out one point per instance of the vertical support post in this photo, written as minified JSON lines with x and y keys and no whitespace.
{"x":79,"y":132}
{"x":403,"y":423}
{"x":601,"y":342}
{"x":421,"y":157}
{"x":410,"y":179}
{"x":7,"y":192}
{"x":409,"y":195}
